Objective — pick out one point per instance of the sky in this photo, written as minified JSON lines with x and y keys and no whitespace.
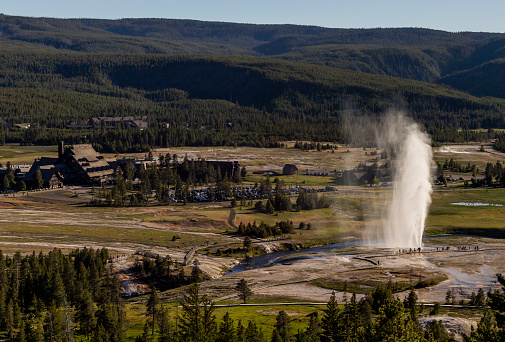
{"x":447,"y":15}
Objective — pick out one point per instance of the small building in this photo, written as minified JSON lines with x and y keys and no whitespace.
{"x":119,"y":121}
{"x":50,"y":171}
{"x":364,"y":174}
{"x":289,"y":169}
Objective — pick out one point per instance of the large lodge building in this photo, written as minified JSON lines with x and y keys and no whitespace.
{"x":82,"y":165}
{"x":77,"y":164}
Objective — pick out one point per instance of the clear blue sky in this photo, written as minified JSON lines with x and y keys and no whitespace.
{"x":448,"y":15}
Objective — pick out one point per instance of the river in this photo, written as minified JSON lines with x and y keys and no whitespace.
{"x":268,"y":260}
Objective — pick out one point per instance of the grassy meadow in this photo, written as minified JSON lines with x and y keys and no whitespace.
{"x":25,"y":154}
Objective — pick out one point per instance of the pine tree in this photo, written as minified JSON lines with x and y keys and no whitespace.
{"x":85,"y":313}
{"x":435,"y":331}
{"x":252,"y":334}
{"x":240,"y":332}
{"x":330,"y":321}
{"x":243,"y":290}
{"x":282,"y":327}
{"x":480,"y":299}
{"x":165,"y":334}
{"x":226,"y":330}
{"x":313,"y":330}
{"x":269,"y":208}
{"x":198,"y":321}
{"x":53,"y":324}
{"x":21,"y":336}
{"x":352,"y":321}
{"x":39,"y":181}
{"x":152,"y":307}
{"x":5,"y":184}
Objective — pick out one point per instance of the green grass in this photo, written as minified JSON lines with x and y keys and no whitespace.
{"x":25,"y":154}
{"x":293,"y":180}
{"x":447,"y":218}
{"x":86,"y":234}
{"x":264,"y":316}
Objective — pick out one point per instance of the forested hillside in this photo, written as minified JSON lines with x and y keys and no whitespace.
{"x":213,"y":100}
{"x":210,"y":83}
{"x":70,"y":34}
{"x":483,"y":80}
{"x":412,"y":53}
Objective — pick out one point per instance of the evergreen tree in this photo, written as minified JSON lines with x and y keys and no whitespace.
{"x":269,"y":208}
{"x":496,"y":301}
{"x":5,"y":184}
{"x":243,"y":290}
{"x":39,"y":181}
{"x":226,"y":330}
{"x":198,"y":321}
{"x":282,"y":328}
{"x":85,"y":314}
{"x":152,"y":307}
{"x":53,"y":324}
{"x":313,"y":331}
{"x":165,"y":333}
{"x":247,"y":240}
{"x":352,"y":321}
{"x":435,"y":331}
{"x":253,"y":334}
{"x":330,"y":321}
{"x":487,"y":330}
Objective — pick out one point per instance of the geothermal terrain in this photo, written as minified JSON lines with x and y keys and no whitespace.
{"x":461,"y":247}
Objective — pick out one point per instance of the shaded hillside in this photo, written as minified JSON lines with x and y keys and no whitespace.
{"x":213,"y":100}
{"x":483,"y":80}
{"x":80,"y":34}
{"x":411,"y":53}
{"x":417,"y":63}
{"x":247,"y":81}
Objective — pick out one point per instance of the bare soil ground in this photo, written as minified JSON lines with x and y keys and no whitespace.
{"x":273,"y":159}
{"x":455,"y":325}
{"x":469,"y":153}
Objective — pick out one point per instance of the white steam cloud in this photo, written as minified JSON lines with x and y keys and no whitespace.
{"x":406,"y":213}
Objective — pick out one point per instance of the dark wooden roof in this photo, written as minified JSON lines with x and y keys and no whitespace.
{"x":290,"y":167}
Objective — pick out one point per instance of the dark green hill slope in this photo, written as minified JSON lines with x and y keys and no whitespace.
{"x":484,"y":80}
{"x":79,"y":34}
{"x":422,"y":64}
{"x":412,"y":53}
{"x":163,"y":85}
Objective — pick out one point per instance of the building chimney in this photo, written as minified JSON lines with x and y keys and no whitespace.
{"x":61,"y":146}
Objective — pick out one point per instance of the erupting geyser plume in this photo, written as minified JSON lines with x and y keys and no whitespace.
{"x":405,"y":216}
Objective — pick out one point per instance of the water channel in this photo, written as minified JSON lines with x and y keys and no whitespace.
{"x":270,"y":259}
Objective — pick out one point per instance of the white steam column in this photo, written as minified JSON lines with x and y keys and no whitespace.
{"x":404,"y":224}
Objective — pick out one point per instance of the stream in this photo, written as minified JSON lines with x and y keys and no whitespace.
{"x":268,"y":260}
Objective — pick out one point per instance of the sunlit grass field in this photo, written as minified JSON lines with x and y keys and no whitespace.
{"x":25,"y":154}
{"x":447,"y":217}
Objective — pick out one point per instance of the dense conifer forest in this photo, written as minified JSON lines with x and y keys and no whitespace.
{"x":237,"y":84}
{"x":412,"y":53}
{"x":215,"y":101}
{"x":58,"y":297}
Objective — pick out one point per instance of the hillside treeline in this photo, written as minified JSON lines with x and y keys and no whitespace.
{"x":468,"y":61}
{"x":144,"y":35}
{"x":210,"y":101}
